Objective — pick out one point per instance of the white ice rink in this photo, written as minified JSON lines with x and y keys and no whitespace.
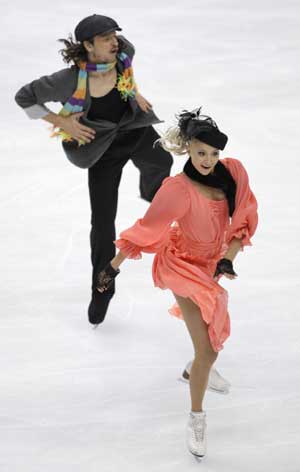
{"x":74,"y":399}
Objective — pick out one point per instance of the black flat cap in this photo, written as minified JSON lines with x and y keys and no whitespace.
{"x":93,"y":25}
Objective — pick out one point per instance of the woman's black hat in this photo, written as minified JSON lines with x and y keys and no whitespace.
{"x":194,"y":125}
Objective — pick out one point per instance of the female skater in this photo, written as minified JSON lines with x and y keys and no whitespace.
{"x":196,"y":224}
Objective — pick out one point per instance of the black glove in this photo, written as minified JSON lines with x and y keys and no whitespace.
{"x":106,"y":277}
{"x":224,"y":266}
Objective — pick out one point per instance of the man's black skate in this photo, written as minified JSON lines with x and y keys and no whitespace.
{"x":98,"y":306}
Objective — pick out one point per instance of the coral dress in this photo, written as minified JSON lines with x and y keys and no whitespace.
{"x":189,"y":233}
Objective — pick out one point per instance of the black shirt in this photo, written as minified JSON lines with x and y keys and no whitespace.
{"x":110,"y":107}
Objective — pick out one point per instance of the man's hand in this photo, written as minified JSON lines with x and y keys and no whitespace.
{"x":143,"y":103}
{"x":72,"y":126}
{"x":225,"y":267}
{"x":106,"y":277}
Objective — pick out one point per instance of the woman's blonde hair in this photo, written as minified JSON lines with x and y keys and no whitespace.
{"x":191,"y":125}
{"x":173,"y":141}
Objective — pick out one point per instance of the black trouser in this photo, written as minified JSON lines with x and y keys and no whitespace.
{"x":154,"y":165}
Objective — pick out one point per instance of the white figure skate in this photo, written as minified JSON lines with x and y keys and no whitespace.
{"x":196,"y":434}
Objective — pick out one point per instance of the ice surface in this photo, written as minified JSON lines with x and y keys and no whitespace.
{"x":74,"y":399}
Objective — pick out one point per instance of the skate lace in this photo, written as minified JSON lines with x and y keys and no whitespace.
{"x":198,"y":429}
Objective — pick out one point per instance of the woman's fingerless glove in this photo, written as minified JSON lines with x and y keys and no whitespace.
{"x":106,"y":277}
{"x":224,"y":266}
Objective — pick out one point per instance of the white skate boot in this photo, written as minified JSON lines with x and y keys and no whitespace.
{"x":216,"y":383}
{"x":196,"y":433}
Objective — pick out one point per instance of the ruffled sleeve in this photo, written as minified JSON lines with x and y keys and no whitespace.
{"x":148,"y":234}
{"x":245,"y":218}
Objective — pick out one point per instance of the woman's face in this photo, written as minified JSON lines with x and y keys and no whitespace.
{"x":204,"y":157}
{"x":104,"y":48}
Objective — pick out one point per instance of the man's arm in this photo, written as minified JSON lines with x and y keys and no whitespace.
{"x":126,"y":46}
{"x":57,"y":87}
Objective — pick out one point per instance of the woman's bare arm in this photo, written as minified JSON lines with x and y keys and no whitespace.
{"x":117,"y":260}
{"x":233,"y":248}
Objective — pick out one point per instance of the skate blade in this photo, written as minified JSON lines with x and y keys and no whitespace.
{"x":215,"y":390}
{"x":221,"y":392}
{"x":185,"y":375}
{"x":198,"y":457}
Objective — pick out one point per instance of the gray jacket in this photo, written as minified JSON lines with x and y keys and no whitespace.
{"x":59,"y":87}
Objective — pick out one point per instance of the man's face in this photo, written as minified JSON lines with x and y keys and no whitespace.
{"x":104,"y":48}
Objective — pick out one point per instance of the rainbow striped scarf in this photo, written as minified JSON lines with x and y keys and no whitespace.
{"x":125,"y":85}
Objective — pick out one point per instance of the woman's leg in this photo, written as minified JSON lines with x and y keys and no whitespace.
{"x":205,"y":356}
